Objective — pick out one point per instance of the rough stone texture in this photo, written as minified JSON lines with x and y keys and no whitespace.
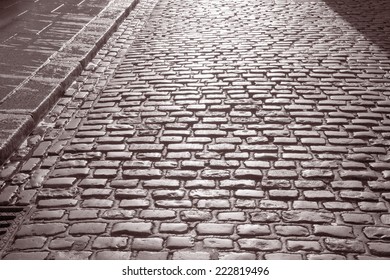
{"x":216,"y":130}
{"x":131,"y":228}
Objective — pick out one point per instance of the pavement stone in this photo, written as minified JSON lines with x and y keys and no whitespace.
{"x":215,"y":130}
{"x":25,"y":101}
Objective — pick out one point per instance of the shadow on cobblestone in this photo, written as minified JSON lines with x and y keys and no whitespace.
{"x":370,"y":17}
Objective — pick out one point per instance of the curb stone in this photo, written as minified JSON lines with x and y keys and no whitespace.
{"x":31,"y":100}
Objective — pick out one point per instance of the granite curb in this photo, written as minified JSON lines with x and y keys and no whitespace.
{"x":33,"y":98}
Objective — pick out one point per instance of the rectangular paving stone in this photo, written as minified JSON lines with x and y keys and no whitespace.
{"x":215,"y":174}
{"x":288,"y":230}
{"x":357,"y":218}
{"x":282,"y":174}
{"x":243,"y":173}
{"x":146,"y":255}
{"x":174,"y":203}
{"x":319,"y":195}
{"x":142,"y":174}
{"x":173,"y":228}
{"x":118,"y":214}
{"x":161,"y":183}
{"x":124,"y":184}
{"x":48,"y":214}
{"x":358,"y":175}
{"x":249,"y":193}
{"x":195,"y":215}
{"x":87,"y":228}
{"x":93,"y":183}
{"x":7,"y":194}
{"x":146,"y":147}
{"x":96,"y":193}
{"x":59,"y":182}
{"x":176,"y":242}
{"x":379,"y":185}
{"x":338,"y":206}
{"x":181,"y":174}
{"x":30,"y":164}
{"x":135,"y":164}
{"x":106,"y":242}
{"x":272,"y":204}
{"x":130,"y":193}
{"x":347,"y":184}
{"x":132,"y":228}
{"x":168,"y":194}
{"x":304,"y":245}
{"x":258,"y":148}
{"x":379,"y":248}
{"x":134,"y":203}
{"x":199,"y":184}
{"x":29,"y":243}
{"x":47,"y":229}
{"x":307,"y":216}
{"x":49,"y":193}
{"x":253,"y":230}
{"x":344,"y":245}
{"x":231,"y":216}
{"x":257,"y":244}
{"x":119,"y":155}
{"x":185,"y":147}
{"x":218,"y":243}
{"x":57,"y":203}
{"x":83,"y":214}
{"x":213,"y":203}
{"x":372,"y":232}
{"x":200,"y":193}
{"x":283,"y":194}
{"x":97,"y":203}
{"x":372,"y":206}
{"x":334,"y":231}
{"x":157,"y":214}
{"x":147,"y":244}
{"x":215,"y":229}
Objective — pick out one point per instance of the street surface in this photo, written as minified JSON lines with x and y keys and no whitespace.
{"x":32,"y":30}
{"x":217,"y":129}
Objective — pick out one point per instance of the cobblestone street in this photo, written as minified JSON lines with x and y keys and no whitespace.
{"x":215,"y":129}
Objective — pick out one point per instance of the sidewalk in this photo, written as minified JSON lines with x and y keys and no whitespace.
{"x":44,"y":47}
{"x":213,"y":130}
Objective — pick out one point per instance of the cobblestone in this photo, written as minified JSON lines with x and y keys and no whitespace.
{"x":197,"y":133}
{"x":102,"y":242}
{"x":179,"y":242}
{"x":344,"y":245}
{"x":87,"y":228}
{"x":129,"y":228}
{"x":29,"y":243}
{"x":48,"y":229}
{"x":257,"y":244}
{"x":148,"y":244}
{"x":379,"y":249}
{"x":298,"y":245}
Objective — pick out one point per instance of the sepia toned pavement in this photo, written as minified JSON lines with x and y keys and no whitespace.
{"x":44,"y":46}
{"x":215,"y":130}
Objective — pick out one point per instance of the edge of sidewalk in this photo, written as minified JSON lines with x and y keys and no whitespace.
{"x":32,"y":99}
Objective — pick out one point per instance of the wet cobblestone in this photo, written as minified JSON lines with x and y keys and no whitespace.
{"x":214,"y":130}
